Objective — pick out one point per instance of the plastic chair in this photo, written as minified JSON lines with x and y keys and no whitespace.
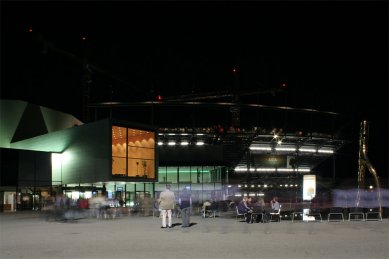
{"x":335,"y":211}
{"x":240,"y":215}
{"x":374,"y":213}
{"x":355,"y":213}
{"x":276,"y":214}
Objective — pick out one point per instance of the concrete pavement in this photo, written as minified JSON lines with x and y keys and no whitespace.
{"x":28,"y":235}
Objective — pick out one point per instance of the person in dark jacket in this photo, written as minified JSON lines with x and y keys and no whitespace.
{"x":244,"y":208}
{"x":185,"y":201}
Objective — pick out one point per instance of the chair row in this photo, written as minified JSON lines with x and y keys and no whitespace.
{"x":356,"y":214}
{"x":335,"y":214}
{"x":338,"y":214}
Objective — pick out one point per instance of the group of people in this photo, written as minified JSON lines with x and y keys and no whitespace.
{"x":256,"y":210}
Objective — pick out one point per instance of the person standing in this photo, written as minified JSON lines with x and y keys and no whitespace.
{"x":167,"y":201}
{"x":185,"y":202}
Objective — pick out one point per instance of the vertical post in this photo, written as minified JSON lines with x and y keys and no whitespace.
{"x":34,"y":192}
{"x":333,"y":168}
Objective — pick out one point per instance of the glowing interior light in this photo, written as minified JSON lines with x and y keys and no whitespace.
{"x":265,"y":169}
{"x":327,"y":151}
{"x":184,"y":143}
{"x":240,"y":169}
{"x":171,"y":143}
{"x":311,"y":150}
{"x":261,"y":148}
{"x":200,"y":143}
{"x":285,"y":149}
{"x":285,"y":169}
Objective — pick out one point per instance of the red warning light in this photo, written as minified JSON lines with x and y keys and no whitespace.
{"x":159,"y":97}
{"x":29,"y":29}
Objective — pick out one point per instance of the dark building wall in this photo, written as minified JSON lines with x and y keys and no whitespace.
{"x":25,"y":168}
{"x":188,"y":155}
{"x":34,"y":168}
{"x":9,"y":160}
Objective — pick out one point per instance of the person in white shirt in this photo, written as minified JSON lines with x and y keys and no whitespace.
{"x":167,"y":200}
{"x":275,"y":205}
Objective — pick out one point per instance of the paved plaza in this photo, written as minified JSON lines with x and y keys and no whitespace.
{"x":29,"y":235}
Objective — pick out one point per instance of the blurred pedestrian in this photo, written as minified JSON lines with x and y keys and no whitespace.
{"x":185,"y":202}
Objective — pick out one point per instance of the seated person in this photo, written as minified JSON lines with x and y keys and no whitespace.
{"x":275,"y":205}
{"x":259,"y":211}
{"x":244,"y":208}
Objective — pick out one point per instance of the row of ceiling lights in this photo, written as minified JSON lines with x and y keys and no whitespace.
{"x":181,"y":143}
{"x":293,"y":149}
{"x":264,"y":185}
{"x":262,"y":169}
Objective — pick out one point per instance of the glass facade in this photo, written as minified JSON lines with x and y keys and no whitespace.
{"x":133,"y":153}
{"x":205,"y":182}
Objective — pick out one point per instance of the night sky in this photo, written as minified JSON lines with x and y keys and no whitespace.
{"x":333,"y":55}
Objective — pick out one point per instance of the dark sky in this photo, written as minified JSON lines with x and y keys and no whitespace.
{"x":332,"y":54}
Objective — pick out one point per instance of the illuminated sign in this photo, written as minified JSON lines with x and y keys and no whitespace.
{"x":270,"y":161}
{"x":309,"y":187}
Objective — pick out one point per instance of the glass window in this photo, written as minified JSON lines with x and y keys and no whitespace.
{"x":196,"y":174}
{"x":171,"y":174}
{"x":133,"y":152}
{"x":184,"y":173}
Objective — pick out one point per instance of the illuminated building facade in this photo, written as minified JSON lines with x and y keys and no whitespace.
{"x":45,"y":152}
